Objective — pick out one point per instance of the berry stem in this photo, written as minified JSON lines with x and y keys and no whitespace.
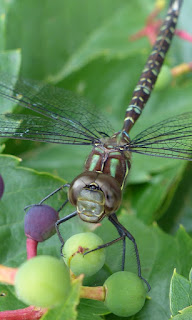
{"x":93,"y":293}
{"x":151,"y":27}
{"x":31,"y":246}
{"x":184,"y":35}
{"x":7,"y":274}
{"x":29,"y":313}
{"x":181,"y":69}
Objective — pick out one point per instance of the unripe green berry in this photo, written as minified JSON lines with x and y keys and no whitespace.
{"x":74,"y":249}
{"x":125,"y":293}
{"x":43,"y":281}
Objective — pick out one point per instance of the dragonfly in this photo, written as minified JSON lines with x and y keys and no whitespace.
{"x":64,"y":119}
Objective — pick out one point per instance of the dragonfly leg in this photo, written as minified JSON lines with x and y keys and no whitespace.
{"x":105,"y":245}
{"x":64,"y":219}
{"x":50,"y":195}
{"x":62,"y":206}
{"x":122,"y":234}
{"x":119,"y":226}
{"x":55,"y":191}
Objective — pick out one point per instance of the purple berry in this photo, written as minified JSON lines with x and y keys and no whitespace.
{"x":40,"y":222}
{"x":1,"y":186}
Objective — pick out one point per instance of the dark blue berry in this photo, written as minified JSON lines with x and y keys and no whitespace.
{"x":40,"y":222}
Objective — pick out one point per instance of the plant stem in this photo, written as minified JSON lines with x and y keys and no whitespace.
{"x":29,"y":313}
{"x":7,"y":274}
{"x":93,"y":293}
{"x":31,"y":246}
{"x":181,"y":69}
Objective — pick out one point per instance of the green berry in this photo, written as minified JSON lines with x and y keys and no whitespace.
{"x":164,"y":79}
{"x":43,"y":281}
{"x":125,"y":293}
{"x":74,"y":249}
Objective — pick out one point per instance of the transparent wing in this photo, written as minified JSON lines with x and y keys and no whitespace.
{"x":19,"y":126}
{"x":67,"y":114}
{"x":171,"y":138}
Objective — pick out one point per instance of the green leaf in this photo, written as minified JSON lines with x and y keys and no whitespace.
{"x":185,"y":314}
{"x":8,"y":300}
{"x":2,"y":30}
{"x":190,"y":275}
{"x":64,"y":26}
{"x":88,"y":309}
{"x":150,"y":200}
{"x":103,"y":42}
{"x":68,"y":310}
{"x":180,"y":210}
{"x":9,"y":63}
{"x":180,"y":293}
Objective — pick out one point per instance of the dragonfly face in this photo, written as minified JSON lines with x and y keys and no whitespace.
{"x":90,"y":204}
{"x":95,"y":195}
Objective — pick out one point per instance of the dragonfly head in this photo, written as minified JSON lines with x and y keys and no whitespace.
{"x":95,"y":195}
{"x":90,"y":204}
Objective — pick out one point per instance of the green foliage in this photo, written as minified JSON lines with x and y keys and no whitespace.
{"x":84,"y":46}
{"x":68,"y":310}
{"x":181,"y":297}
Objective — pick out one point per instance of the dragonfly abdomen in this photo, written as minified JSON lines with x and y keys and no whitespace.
{"x":152,"y":67}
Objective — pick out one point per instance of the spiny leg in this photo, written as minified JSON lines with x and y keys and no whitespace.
{"x":55,"y":191}
{"x":122,"y":234}
{"x":107,"y":244}
{"x":50,"y":195}
{"x":119,"y":226}
{"x":63,"y":205}
{"x":62,"y":220}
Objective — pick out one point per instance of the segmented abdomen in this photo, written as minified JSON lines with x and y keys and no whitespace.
{"x":152,"y":67}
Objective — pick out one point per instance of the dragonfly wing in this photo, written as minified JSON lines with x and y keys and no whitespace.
{"x":25,"y":127}
{"x":171,"y":138}
{"x":57,"y":104}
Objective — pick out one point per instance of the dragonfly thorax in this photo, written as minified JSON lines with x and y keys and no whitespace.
{"x":118,"y":141}
{"x":111,"y":157}
{"x":95,"y":195}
